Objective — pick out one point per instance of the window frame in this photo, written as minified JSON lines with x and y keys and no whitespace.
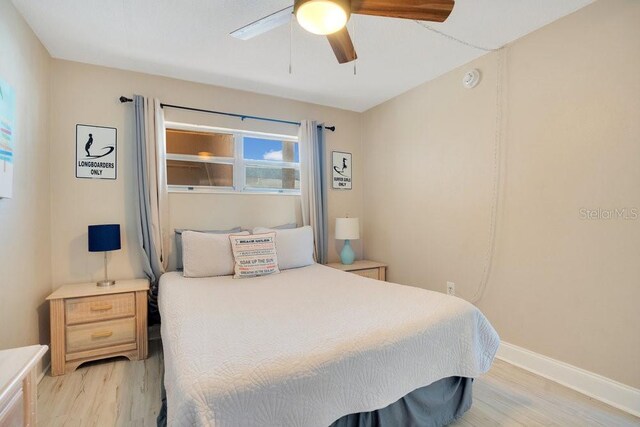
{"x":238,"y":161}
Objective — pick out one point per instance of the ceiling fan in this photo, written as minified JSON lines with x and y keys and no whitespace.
{"x":330,"y":17}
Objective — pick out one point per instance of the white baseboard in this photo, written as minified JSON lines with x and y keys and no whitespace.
{"x":611,"y":392}
{"x":44,"y":372}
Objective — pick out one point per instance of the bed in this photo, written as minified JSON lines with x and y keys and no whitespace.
{"x":315,"y":346}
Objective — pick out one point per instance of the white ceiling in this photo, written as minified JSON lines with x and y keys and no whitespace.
{"x":189,"y":40}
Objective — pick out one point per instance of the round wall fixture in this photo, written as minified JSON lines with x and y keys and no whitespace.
{"x":471,"y":79}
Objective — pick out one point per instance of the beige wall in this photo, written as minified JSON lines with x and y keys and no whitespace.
{"x":561,"y":286}
{"x":89,"y":95}
{"x":25,"y":255}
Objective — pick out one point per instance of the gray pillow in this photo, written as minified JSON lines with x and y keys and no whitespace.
{"x":278,"y":227}
{"x":179,"y":232}
{"x":286,"y":226}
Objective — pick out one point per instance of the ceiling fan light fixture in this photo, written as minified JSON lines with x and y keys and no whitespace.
{"x":322,"y":17}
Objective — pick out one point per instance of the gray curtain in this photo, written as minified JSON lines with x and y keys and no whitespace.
{"x":314,"y":185}
{"x":152,"y":196}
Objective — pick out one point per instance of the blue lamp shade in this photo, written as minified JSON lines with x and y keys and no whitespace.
{"x":103,"y":238}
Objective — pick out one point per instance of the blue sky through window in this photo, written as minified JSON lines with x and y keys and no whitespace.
{"x":266,"y":149}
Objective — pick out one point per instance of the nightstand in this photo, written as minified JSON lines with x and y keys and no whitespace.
{"x":90,"y":323}
{"x":364,"y":268}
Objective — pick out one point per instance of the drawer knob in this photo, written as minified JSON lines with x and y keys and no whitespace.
{"x":101,"y":307}
{"x":102,"y":334}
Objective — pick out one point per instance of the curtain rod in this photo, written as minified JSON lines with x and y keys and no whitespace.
{"x":124,"y":99}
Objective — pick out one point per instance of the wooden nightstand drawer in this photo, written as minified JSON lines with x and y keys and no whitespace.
{"x":92,"y":336}
{"x":372,"y":273}
{"x":104,"y":307}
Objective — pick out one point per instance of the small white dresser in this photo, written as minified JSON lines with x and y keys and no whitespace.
{"x":18,"y":395}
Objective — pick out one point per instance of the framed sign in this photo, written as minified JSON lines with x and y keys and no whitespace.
{"x":7,"y":138}
{"x":96,"y":152}
{"x":341,"y":173}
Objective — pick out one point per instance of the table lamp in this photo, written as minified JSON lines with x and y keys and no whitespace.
{"x":347,"y":229}
{"x":104,"y":238}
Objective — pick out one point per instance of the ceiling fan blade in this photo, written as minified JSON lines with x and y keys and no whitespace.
{"x":263,"y":25}
{"x":342,"y":46}
{"x":422,"y":10}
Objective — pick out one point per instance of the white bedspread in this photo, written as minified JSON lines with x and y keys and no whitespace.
{"x":308,"y":346}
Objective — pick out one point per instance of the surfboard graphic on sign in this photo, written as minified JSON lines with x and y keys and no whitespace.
{"x":96,"y":152}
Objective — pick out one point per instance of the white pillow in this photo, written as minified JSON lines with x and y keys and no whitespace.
{"x":179,"y":240}
{"x":255,"y":255}
{"x":207,"y":255}
{"x":295,"y":246}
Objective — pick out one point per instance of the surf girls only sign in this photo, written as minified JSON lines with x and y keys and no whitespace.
{"x":341,"y":173}
{"x":96,"y":152}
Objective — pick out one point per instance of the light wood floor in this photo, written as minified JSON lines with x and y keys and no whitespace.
{"x":123,"y":393}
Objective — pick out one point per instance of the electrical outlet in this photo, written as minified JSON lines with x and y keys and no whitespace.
{"x":451,"y":288}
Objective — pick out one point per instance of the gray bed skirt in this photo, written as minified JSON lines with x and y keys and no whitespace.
{"x":435,"y":405}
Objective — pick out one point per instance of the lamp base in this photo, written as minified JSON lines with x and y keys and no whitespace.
{"x":104,"y":283}
{"x":347,"y":256}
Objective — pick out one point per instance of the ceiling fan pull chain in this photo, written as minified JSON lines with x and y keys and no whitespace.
{"x":291,"y":47}
{"x":355,"y":63}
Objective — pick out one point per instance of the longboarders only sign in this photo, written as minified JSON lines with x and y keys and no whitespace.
{"x":96,"y":152}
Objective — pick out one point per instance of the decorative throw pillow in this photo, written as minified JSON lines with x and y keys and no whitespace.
{"x":254,"y":255}
{"x":207,"y":255}
{"x":179,"y":231}
{"x":295,"y":247}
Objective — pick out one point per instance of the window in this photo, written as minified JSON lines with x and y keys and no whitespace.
{"x":223,"y":160}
